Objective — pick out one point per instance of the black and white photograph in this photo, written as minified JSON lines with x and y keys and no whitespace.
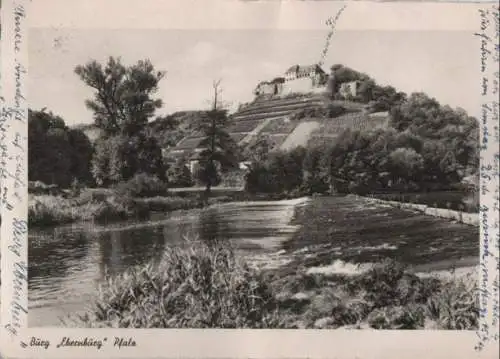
{"x":316,"y":173}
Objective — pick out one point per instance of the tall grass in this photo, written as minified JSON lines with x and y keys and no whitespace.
{"x":202,"y":285}
{"x":49,"y":210}
{"x":205,"y":285}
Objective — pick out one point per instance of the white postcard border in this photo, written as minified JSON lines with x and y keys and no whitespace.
{"x":15,"y":336}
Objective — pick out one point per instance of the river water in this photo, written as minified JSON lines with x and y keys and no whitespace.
{"x":67,"y":263}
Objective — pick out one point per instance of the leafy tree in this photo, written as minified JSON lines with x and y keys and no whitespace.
{"x":316,"y":170}
{"x":179,"y":174}
{"x":123,"y":100}
{"x":56,"y":154}
{"x":258,"y":151}
{"x":280,"y":172}
{"x":343,"y":74}
{"x":419,"y":114}
{"x":119,"y":158}
{"x":406,"y":164}
{"x":123,"y":104}
{"x":81,"y":155}
{"x":220,"y":152}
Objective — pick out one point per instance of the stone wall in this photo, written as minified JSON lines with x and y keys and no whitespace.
{"x":266,"y":89}
{"x":300,"y":85}
{"x":471,"y":219}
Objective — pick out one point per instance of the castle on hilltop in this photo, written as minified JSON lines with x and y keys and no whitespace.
{"x":297,"y":79}
{"x":305,"y":79}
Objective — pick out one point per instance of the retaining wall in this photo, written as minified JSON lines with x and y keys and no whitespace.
{"x":471,"y":219}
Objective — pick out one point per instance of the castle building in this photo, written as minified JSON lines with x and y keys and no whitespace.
{"x":313,"y":72}
{"x":297,"y":79}
{"x":274,"y":87}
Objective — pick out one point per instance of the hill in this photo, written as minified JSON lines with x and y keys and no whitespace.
{"x":290,"y":121}
{"x":167,"y":130}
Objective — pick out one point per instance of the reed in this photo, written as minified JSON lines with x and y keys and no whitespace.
{"x":201,"y":285}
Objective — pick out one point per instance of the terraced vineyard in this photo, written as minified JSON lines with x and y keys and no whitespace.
{"x":278,"y":120}
{"x":332,"y":128}
{"x":261,"y":117}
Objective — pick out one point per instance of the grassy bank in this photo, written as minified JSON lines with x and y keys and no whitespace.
{"x":205,"y":285}
{"x":105,"y":206}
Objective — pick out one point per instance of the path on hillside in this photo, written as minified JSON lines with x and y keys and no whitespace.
{"x":300,"y":135}
{"x":255,"y":132}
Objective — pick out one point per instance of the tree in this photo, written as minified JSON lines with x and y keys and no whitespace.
{"x":418,"y":113}
{"x":119,"y":158}
{"x":406,"y":164}
{"x":123,"y":104}
{"x":123,"y":100}
{"x":220,"y":152}
{"x":56,"y":154}
{"x":315,"y":170}
{"x":179,"y":174}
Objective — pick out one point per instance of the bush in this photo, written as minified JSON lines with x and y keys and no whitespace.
{"x":52,"y":210}
{"x":114,"y":208}
{"x":198,"y":286}
{"x":410,"y":317}
{"x":167,"y":204}
{"x":119,"y":158}
{"x":143,"y":185}
{"x":179,"y":175}
{"x":455,"y":306}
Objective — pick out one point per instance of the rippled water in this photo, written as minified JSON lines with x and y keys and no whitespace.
{"x":67,"y":263}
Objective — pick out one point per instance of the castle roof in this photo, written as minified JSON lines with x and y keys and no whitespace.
{"x":304,"y":69}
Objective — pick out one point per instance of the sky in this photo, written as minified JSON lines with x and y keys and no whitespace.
{"x":437,"y":57}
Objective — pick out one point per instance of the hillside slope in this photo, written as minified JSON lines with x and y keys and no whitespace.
{"x":290,"y":122}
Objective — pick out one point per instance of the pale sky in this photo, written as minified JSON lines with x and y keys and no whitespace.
{"x":439,"y":59}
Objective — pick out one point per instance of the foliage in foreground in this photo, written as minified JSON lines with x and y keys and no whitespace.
{"x":384,"y":297}
{"x":201,"y":286}
{"x":204,"y":285}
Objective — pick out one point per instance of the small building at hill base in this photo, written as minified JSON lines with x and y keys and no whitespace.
{"x":349,"y":89}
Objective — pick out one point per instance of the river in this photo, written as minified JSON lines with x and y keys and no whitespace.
{"x":67,"y":263}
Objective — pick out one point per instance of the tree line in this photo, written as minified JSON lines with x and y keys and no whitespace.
{"x":123,"y":105}
{"x":426,"y":146}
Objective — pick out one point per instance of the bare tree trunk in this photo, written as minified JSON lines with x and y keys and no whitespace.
{"x":211,"y":164}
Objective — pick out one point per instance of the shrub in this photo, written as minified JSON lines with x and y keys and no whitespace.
{"x":199,"y":286}
{"x":455,"y":305}
{"x":382,"y":283}
{"x":409,"y":317}
{"x":115,"y":208}
{"x":179,"y":175}
{"x":142,"y":185}
{"x":166,"y":204}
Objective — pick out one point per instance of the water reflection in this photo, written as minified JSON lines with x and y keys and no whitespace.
{"x":212,"y":227}
{"x":46,"y":250}
{"x":67,"y":264}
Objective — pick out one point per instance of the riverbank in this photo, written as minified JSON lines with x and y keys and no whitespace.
{"x":106,"y":206}
{"x":333,"y":272}
{"x":103,"y":205}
